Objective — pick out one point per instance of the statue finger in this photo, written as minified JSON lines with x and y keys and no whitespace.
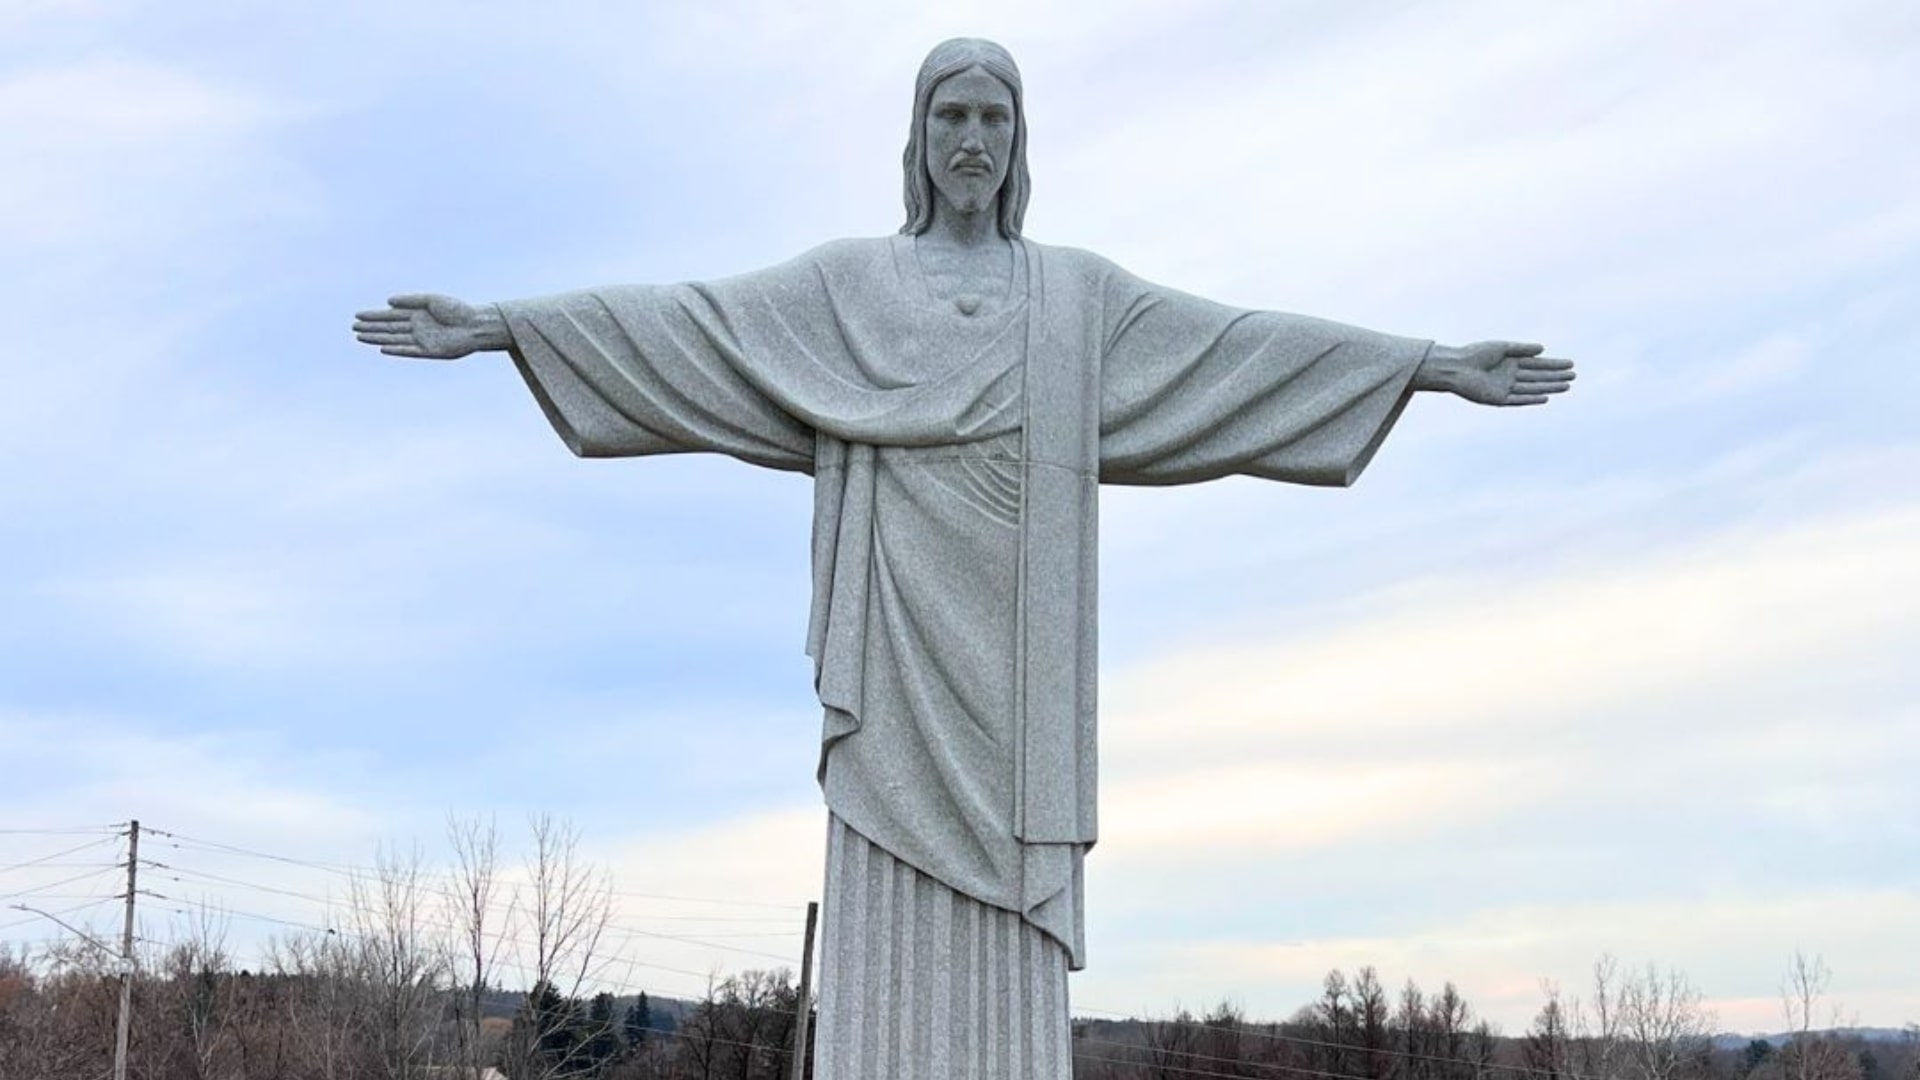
{"x":1515,"y":399}
{"x":1545,"y":363}
{"x":382,"y":326}
{"x":1524,"y":348}
{"x":414,"y":352}
{"x":410,"y":300}
{"x":387,"y":339}
{"x":1535,"y":374}
{"x":383,"y":315}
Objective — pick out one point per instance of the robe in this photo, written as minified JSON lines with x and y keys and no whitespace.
{"x":956,"y":461}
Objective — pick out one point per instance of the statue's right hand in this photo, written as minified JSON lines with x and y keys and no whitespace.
{"x":430,"y":326}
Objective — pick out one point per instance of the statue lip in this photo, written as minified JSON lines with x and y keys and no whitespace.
{"x":972,"y":165}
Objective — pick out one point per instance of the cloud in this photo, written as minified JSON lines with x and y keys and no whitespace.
{"x":1733,"y":947}
{"x":113,"y":155}
{"x":1494,"y":654}
{"x":1390,"y":169}
{"x":243,"y":786}
{"x":1271,"y":806}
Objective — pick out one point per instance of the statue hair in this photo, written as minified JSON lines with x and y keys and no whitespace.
{"x":951,"y":57}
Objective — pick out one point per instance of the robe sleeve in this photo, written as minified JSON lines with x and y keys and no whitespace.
{"x":1192,"y":390}
{"x":757,"y":366}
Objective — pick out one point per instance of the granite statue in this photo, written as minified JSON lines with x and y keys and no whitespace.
{"x":958,"y":392}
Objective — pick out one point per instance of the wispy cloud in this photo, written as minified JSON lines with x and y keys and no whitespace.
{"x":112,"y":155}
{"x":1507,"y":654}
{"x":1499,"y":956}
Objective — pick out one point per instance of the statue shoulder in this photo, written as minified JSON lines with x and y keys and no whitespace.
{"x":1075,"y":261}
{"x":850,"y":253}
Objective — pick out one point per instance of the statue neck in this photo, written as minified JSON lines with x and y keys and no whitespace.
{"x":964,"y":228}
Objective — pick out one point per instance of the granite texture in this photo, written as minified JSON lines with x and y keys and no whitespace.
{"x":958,"y":393}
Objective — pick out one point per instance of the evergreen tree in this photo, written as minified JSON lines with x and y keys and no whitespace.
{"x":639,"y":1022}
{"x":600,"y":1042}
{"x":549,"y":1026}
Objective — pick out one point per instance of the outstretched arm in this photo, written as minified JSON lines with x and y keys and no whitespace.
{"x":1495,"y":373}
{"x":1192,"y":390}
{"x":619,"y":372}
{"x":429,"y":326}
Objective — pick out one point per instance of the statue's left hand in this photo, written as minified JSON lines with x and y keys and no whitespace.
{"x":1498,"y":372}
{"x":432,"y":327}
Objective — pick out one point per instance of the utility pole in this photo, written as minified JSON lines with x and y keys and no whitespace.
{"x":805,"y":1006}
{"x":126,"y":957}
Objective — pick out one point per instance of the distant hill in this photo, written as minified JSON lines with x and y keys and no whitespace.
{"x":1731,"y":1041}
{"x":667,"y":1012}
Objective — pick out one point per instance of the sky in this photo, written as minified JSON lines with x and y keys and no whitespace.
{"x":1630,"y":674}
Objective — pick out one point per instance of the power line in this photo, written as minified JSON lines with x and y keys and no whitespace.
{"x":352,"y":869}
{"x":1155,"y":1053}
{"x":336,"y":931}
{"x":71,"y":830}
{"x":1197,"y":1072}
{"x":353,"y":904}
{"x":48,"y":859}
{"x":56,"y":884}
{"x":66,"y":911}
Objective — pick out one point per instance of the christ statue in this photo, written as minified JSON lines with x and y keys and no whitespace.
{"x":958,"y":393}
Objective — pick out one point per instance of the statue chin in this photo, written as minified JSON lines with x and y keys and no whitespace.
{"x":967,"y":196}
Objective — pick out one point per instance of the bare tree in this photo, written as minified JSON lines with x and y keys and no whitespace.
{"x":1370,"y":1021}
{"x":1333,"y":1022}
{"x":56,"y":1013}
{"x":1222,"y":1041}
{"x":325,"y":1003}
{"x":566,"y":906}
{"x":400,"y":962}
{"x":1483,"y":1048}
{"x":742,"y":1029}
{"x":1599,"y":1041}
{"x":476,"y":932}
{"x":196,"y":992}
{"x":700,"y":1035}
{"x":1665,"y":1021}
{"x":1171,"y":1046}
{"x":1546,"y":1049}
{"x":1811,"y":1054}
{"x":1448,"y":1019}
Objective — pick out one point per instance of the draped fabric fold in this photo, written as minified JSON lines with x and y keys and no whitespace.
{"x":956,"y":462}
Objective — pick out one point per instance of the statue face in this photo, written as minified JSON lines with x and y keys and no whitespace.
{"x":969,"y":138}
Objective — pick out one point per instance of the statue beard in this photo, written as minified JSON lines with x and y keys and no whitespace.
{"x":969,"y":193}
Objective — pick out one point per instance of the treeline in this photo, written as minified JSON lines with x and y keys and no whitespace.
{"x":324,"y":1008}
{"x":1649,"y":1024}
{"x":316,"y":1011}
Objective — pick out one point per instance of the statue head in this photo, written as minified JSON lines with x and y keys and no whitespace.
{"x":968,"y":57}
